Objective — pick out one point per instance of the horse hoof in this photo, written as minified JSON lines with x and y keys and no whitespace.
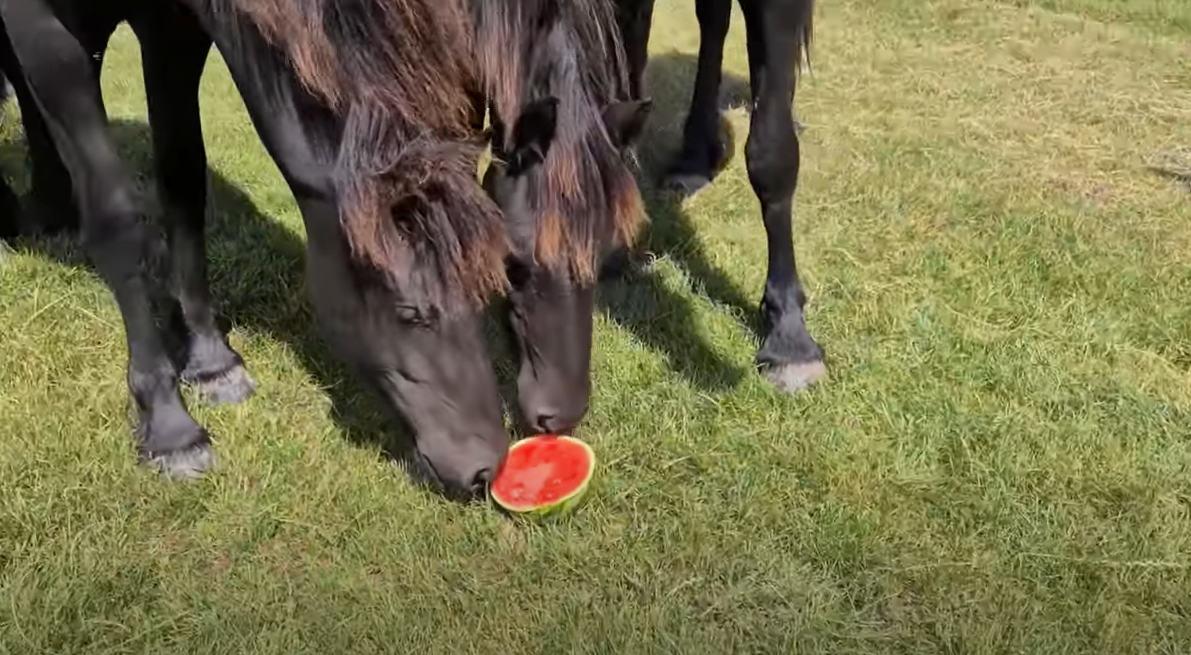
{"x":230,"y":387}
{"x":187,"y":464}
{"x":792,"y":378}
{"x":687,"y":184}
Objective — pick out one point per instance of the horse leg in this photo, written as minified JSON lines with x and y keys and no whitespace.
{"x":51,"y":193}
{"x":14,"y":81}
{"x":703,"y":152}
{"x":789,"y":356}
{"x":174,"y":51}
{"x":63,"y":85}
{"x":10,"y":212}
{"x":634,"y":19}
{"x":10,"y":205}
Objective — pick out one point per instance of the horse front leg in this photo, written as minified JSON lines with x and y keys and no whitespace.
{"x":174,"y":52}
{"x":10,"y":206}
{"x":777,"y":29}
{"x":62,"y":83}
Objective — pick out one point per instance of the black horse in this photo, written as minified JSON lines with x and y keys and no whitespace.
{"x":779,"y":33}
{"x":368,"y":109}
{"x":563,"y":178}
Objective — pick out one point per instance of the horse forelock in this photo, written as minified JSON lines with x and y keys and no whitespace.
{"x":398,"y":73}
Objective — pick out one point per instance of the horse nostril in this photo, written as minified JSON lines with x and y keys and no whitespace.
{"x":544,"y":423}
{"x":480,"y":482}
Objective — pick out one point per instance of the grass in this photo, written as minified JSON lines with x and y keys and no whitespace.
{"x":998,"y":267}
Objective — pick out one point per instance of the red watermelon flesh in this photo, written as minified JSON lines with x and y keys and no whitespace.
{"x":540,"y":471}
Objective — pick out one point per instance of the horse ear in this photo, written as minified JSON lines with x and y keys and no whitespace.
{"x":534,"y":132}
{"x":625,"y":120}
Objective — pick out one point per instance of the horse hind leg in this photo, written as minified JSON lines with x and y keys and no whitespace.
{"x":10,"y":212}
{"x":10,"y":205}
{"x":789,"y":357}
{"x":64,"y":86}
{"x":51,"y":193}
{"x":174,"y":51}
{"x":634,"y":19}
{"x":703,"y":151}
{"x":51,"y":196}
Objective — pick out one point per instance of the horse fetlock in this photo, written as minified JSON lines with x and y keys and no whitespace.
{"x":174,"y":445}
{"x":702,"y":158}
{"x":228,"y":386}
{"x":217,"y":372}
{"x":163,"y":425}
{"x":185,"y":464}
{"x":10,"y":211}
{"x":789,"y":356}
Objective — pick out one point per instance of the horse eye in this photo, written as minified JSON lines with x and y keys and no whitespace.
{"x":411,"y":315}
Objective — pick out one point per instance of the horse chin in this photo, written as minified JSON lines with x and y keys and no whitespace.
{"x":551,"y":402}
{"x":459,"y":468}
{"x":456,"y":430}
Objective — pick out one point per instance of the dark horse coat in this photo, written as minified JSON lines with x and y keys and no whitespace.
{"x":369,"y":110}
{"x":779,"y":32}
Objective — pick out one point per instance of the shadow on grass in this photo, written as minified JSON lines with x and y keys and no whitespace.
{"x":1174,"y":164}
{"x":256,"y":267}
{"x":257,"y":275}
{"x":637,"y":298}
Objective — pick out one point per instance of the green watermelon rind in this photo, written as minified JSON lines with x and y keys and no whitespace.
{"x":563,"y":505}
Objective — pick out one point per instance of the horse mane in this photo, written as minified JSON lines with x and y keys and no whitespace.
{"x":396,"y":73}
{"x":584,"y":197}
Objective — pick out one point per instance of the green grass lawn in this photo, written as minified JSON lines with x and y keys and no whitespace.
{"x":996,"y":240}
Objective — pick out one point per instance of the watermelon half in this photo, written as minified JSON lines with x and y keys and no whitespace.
{"x":542,"y":475}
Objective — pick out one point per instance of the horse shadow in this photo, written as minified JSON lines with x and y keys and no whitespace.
{"x":257,"y":271}
{"x":1174,"y":165}
{"x":637,"y":298}
{"x":256,"y":267}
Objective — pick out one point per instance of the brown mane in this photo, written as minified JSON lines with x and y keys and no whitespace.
{"x":586,"y":199}
{"x":397,"y":73}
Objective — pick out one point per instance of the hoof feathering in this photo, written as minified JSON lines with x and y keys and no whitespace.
{"x":792,"y":378}
{"x":230,"y":387}
{"x":188,"y":464}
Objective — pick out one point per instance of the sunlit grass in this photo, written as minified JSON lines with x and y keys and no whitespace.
{"x":996,"y":241}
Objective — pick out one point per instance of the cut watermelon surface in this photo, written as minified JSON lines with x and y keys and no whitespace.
{"x":543,"y":474}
